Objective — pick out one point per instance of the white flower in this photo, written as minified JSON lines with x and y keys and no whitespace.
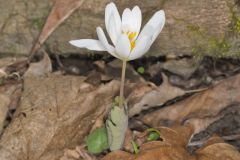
{"x":125,"y":33}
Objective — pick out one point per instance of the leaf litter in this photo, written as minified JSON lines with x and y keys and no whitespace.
{"x":57,"y":111}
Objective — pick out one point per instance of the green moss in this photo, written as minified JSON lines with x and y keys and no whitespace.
{"x":237,"y":24}
{"x":217,"y":46}
{"x":37,"y":23}
{"x":193,"y":28}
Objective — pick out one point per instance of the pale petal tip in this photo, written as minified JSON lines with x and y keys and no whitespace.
{"x":111,"y":4}
{"x":136,"y":8}
{"x":161,"y":12}
{"x":71,"y":42}
{"x":98,"y":28}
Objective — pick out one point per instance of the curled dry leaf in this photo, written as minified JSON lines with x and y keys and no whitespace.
{"x":76,"y":154}
{"x":10,"y":66}
{"x":118,"y":155}
{"x":219,"y":151}
{"x":112,"y":71}
{"x":173,"y":148}
{"x":182,"y":67}
{"x":4,"y":103}
{"x":149,"y":96}
{"x":41,"y":68}
{"x":127,"y":145}
{"x":201,"y":109}
{"x":9,"y":100}
{"x":56,"y":112}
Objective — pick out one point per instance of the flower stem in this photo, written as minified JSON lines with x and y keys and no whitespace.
{"x":122,"y":84}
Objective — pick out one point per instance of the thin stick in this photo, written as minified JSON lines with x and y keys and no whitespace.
{"x":122,"y":84}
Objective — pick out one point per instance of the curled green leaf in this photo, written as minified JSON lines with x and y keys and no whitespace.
{"x":135,"y":147}
{"x":97,"y":141}
{"x":154,"y":134}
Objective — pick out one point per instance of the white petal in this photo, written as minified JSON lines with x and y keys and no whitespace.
{"x":127,"y":20}
{"x":90,"y":44}
{"x":111,"y":29}
{"x":148,"y":30}
{"x":154,"y":25}
{"x":103,"y":39}
{"x":142,"y":46}
{"x":112,"y":19}
{"x":159,"y":21}
{"x":137,"y":18}
{"x":123,"y":47}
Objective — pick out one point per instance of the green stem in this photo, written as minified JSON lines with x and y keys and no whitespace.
{"x":122,"y":84}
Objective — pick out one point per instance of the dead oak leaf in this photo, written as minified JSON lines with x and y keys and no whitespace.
{"x":40,"y":68}
{"x":171,"y":149}
{"x":61,"y":10}
{"x":150,"y":96}
{"x":201,"y":109}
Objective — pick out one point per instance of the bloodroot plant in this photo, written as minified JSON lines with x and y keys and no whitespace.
{"x":128,"y":43}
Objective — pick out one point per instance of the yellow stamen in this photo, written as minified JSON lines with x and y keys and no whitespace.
{"x":132,"y":44}
{"x":131,"y":35}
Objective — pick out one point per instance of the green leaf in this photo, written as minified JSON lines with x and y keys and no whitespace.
{"x":97,"y":141}
{"x":135,"y":147}
{"x":154,"y":134}
{"x":141,"y":70}
{"x":117,"y":124}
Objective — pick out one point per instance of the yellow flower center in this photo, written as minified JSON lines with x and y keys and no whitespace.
{"x":131,"y":36}
{"x":132,"y":44}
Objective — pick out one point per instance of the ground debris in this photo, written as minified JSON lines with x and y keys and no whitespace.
{"x":55,"y":112}
{"x":173,"y":147}
{"x":200,"y":110}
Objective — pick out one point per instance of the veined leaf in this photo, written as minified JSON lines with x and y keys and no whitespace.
{"x":116,"y":124}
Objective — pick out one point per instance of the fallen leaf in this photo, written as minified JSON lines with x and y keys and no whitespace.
{"x":112,"y":71}
{"x":118,"y":155}
{"x":10,"y":96}
{"x":201,"y":109}
{"x":56,"y":112}
{"x":219,"y":151}
{"x":173,"y":148}
{"x":127,"y":145}
{"x":76,"y":154}
{"x":41,"y":68}
{"x":150,"y":96}
{"x":182,"y":67}
{"x":60,"y":11}
{"x":4,"y":103}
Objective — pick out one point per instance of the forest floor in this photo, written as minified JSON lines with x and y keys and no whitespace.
{"x":48,"y":107}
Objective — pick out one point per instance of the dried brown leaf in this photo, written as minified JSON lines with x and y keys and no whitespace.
{"x":201,"y":109}
{"x":149,"y":96}
{"x":118,"y":155}
{"x":61,"y":10}
{"x":4,"y":102}
{"x":55,"y":112}
{"x":219,"y":151}
{"x":41,"y":68}
{"x":173,"y":148}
